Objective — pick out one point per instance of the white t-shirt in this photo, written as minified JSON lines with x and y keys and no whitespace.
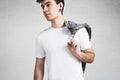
{"x":52,"y":44}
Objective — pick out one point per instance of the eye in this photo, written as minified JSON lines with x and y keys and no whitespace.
{"x":42,"y":6}
{"x":48,"y":5}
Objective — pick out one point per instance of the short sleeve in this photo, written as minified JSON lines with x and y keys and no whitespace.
{"x":39,"y":48}
{"x":83,"y":39}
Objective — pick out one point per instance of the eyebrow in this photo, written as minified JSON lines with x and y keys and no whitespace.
{"x":45,"y":3}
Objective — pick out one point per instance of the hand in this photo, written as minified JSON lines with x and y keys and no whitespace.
{"x":74,"y":46}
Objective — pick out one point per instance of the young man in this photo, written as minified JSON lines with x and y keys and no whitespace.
{"x":62,"y":52}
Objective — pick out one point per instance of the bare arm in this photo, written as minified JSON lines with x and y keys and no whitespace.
{"x":87,"y":55}
{"x":84,"y":55}
{"x":39,"y":69}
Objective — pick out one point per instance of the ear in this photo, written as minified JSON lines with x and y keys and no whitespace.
{"x":61,"y":5}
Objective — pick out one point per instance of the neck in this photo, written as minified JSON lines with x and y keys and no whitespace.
{"x":58,"y":22}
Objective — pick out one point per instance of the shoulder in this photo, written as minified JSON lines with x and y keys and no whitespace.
{"x":42,"y":34}
{"x":81,"y":31}
{"x":82,"y":34}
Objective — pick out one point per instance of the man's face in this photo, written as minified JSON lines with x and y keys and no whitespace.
{"x":50,"y":9}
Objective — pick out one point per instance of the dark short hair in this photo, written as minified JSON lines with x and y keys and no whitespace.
{"x":57,"y":2}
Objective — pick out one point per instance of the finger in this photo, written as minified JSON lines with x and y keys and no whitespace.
{"x":69,"y":45}
{"x":72,"y":38}
{"x":74,"y":44}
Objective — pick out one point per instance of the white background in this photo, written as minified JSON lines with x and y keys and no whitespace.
{"x":22,"y":20}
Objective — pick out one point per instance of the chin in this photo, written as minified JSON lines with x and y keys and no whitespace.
{"x":49,"y":19}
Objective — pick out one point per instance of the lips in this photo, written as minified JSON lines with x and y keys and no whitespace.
{"x":46,"y":14}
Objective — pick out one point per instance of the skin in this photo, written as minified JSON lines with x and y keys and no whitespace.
{"x":86,"y":55}
{"x":52,"y":13}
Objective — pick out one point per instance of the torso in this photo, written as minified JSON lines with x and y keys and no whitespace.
{"x":62,"y":65}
